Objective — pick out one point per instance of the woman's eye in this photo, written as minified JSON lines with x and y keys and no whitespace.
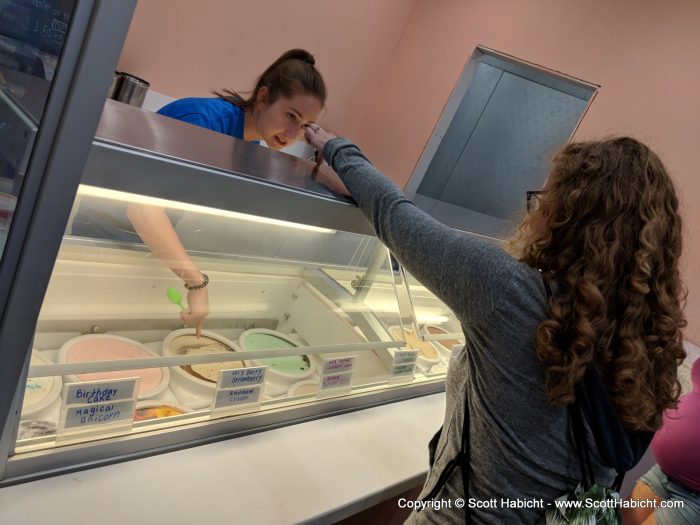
{"x":292,"y":117}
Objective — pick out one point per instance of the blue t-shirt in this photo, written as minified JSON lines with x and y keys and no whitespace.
{"x":216,"y":114}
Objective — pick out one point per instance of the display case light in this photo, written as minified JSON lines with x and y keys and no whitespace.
{"x":102,"y":193}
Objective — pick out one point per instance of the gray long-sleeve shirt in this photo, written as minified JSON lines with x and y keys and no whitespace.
{"x":520,"y":448}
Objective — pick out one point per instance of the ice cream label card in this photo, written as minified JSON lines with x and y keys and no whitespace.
{"x":336,"y":376}
{"x":238,"y":391}
{"x":337,"y":365}
{"x":405,"y":356}
{"x":101,"y":407}
{"x":94,"y":392}
{"x":246,"y":397}
{"x":335,"y":385}
{"x":239,"y":377}
{"x":404,"y":367}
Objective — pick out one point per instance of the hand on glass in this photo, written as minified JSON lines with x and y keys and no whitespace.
{"x":317,"y":137}
{"x":197,"y":309}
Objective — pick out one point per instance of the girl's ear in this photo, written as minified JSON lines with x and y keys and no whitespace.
{"x":263,"y":96}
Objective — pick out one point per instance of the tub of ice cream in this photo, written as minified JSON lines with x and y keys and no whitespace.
{"x":40,"y":392}
{"x":33,"y":428}
{"x":199,"y":380}
{"x":157,"y":410}
{"x":304,"y":388}
{"x":427,"y":352}
{"x":282,"y":372}
{"x":106,"y":347}
{"x":444,"y":346}
{"x":438,"y":369}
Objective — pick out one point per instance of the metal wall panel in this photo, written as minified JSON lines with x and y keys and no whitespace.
{"x":462,"y":126}
{"x":494,"y":141}
{"x":510,"y":148}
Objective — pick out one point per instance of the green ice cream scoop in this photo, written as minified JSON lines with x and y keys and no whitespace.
{"x":175,"y":297}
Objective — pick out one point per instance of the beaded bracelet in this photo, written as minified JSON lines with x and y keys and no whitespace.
{"x":198,"y":286}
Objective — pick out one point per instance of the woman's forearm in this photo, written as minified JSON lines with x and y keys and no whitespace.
{"x":157,"y":232}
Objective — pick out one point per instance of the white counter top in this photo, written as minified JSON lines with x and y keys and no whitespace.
{"x":323,"y":470}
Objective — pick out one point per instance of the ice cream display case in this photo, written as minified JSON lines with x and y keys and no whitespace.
{"x":430,"y":327}
{"x":308,"y":318}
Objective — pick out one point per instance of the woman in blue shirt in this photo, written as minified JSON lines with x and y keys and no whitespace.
{"x":288,"y":96}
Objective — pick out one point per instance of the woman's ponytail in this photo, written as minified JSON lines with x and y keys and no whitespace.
{"x":294,"y":71}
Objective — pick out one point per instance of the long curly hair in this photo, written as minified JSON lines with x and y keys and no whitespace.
{"x":607,"y":237}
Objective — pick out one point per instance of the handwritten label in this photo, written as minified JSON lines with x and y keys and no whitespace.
{"x":237,"y":396}
{"x":98,"y":407}
{"x":92,"y":392}
{"x":405,"y":356}
{"x":78,"y":417}
{"x":238,"y":390}
{"x":403,"y":370}
{"x":336,"y":381}
{"x":337,"y":365}
{"x":333,"y":385}
{"x":336,"y":376}
{"x":238,"y":377}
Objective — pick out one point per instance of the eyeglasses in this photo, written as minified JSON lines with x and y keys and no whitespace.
{"x":534,"y":199}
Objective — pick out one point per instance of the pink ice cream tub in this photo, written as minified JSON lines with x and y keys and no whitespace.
{"x":105,"y":347}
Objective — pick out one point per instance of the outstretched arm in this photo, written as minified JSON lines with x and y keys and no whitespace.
{"x":157,"y":232}
{"x":469,"y":274}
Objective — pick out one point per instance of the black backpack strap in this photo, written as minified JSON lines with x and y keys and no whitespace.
{"x":583,"y":452}
{"x":460,"y":460}
{"x":578,"y":431}
{"x":432,"y":447}
{"x":444,"y":476}
{"x":617,"y":484}
{"x":465,"y":458}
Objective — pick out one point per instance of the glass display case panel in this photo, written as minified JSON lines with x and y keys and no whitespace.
{"x":433,"y":322}
{"x":32,"y":35}
{"x":282,"y":295}
{"x":426,"y":323}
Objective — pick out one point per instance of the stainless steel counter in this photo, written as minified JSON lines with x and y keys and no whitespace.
{"x":141,"y":152}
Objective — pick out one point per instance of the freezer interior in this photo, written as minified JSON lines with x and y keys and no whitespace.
{"x":322,"y":292}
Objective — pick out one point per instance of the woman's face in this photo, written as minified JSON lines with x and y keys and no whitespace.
{"x":280,"y":123}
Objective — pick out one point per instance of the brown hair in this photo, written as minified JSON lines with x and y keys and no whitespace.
{"x":294,"y":71}
{"x":607,"y":239}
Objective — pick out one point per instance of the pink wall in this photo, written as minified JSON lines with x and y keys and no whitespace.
{"x":186,"y":48}
{"x":644,"y":54}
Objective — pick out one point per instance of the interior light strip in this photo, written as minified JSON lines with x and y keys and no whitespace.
{"x":102,"y":193}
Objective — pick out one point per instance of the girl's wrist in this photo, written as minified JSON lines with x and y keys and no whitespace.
{"x":198,"y":284}
{"x":192,"y":278}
